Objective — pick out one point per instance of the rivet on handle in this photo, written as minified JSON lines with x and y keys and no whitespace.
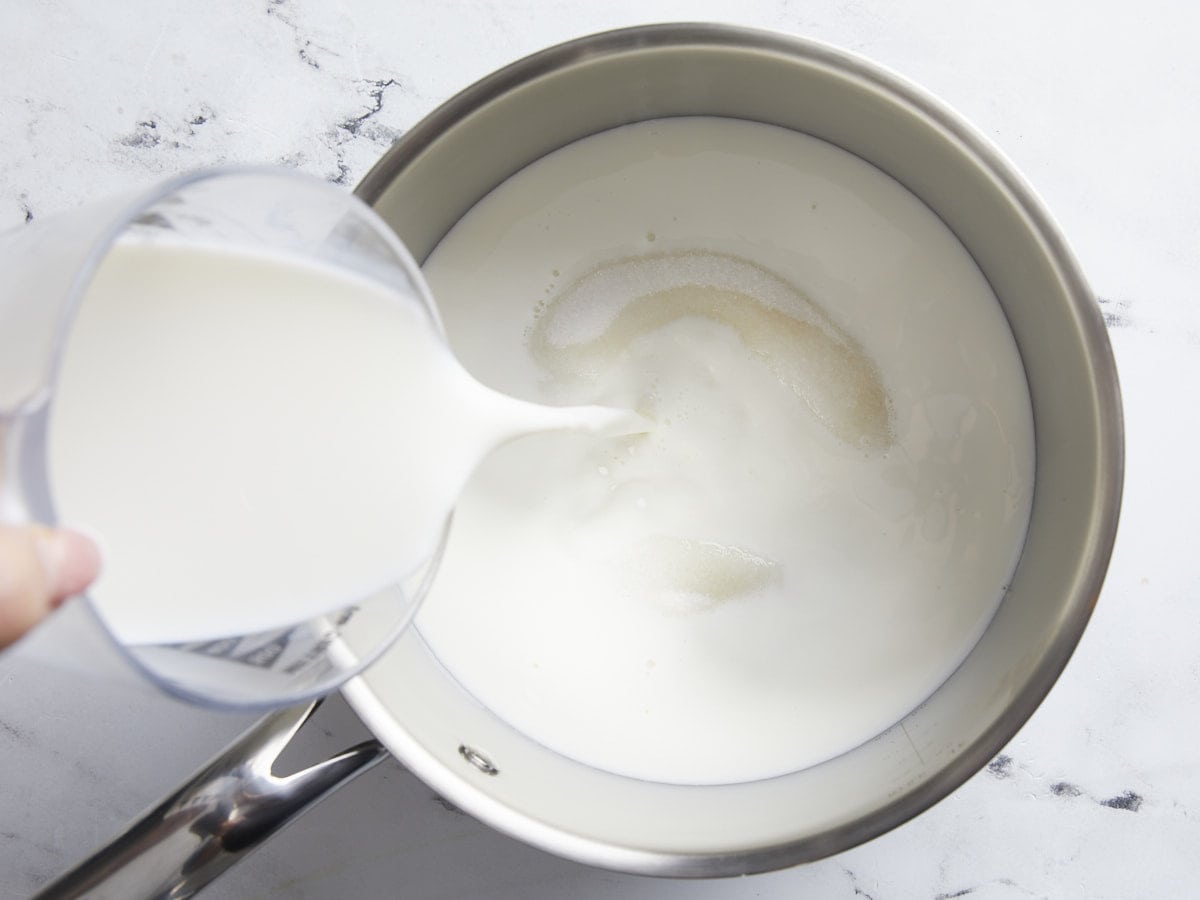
{"x":478,"y":760}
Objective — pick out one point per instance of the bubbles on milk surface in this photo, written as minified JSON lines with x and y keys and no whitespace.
{"x":585,"y":333}
{"x":815,"y":531}
{"x":587,"y":326}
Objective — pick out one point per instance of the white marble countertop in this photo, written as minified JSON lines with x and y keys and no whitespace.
{"x":1098,"y":104}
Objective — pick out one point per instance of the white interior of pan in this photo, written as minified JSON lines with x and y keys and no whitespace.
{"x":457,"y":155}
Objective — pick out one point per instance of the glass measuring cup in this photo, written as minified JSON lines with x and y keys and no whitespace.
{"x":45,"y":271}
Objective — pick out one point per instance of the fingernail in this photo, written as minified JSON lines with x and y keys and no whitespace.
{"x":71,"y":560}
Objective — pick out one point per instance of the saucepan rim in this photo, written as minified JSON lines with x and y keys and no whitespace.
{"x":1109,"y":453}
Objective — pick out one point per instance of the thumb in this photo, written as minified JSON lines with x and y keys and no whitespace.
{"x":39,"y":568}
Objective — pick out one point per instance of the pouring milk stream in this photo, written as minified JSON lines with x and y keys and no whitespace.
{"x":260,"y":440}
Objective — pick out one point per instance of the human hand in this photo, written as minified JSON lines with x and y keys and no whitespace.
{"x":40,"y":567}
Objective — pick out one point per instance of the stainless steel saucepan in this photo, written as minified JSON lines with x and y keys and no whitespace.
{"x":433,"y":175}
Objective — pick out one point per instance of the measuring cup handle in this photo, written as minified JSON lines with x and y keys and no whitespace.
{"x":218,"y":817}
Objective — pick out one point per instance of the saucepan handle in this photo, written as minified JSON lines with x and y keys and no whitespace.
{"x":218,"y":817}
